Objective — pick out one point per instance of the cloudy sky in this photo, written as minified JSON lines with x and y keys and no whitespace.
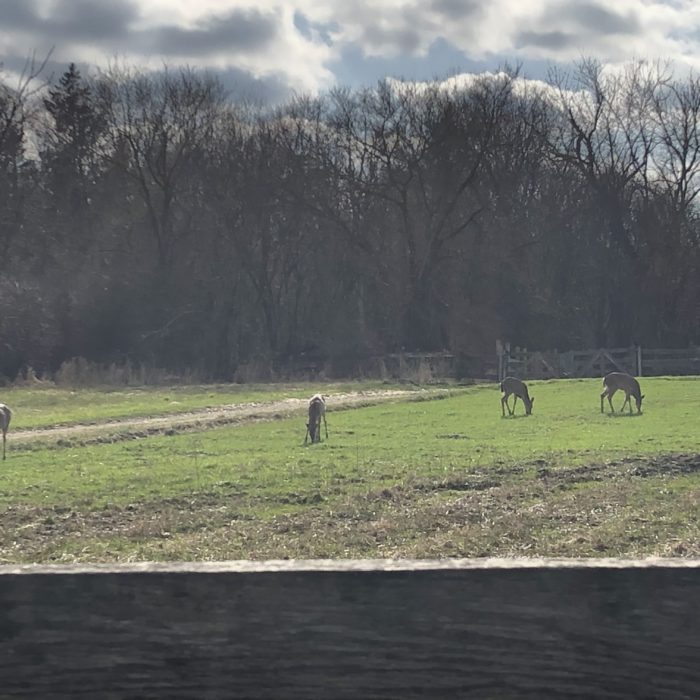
{"x":269,"y":48}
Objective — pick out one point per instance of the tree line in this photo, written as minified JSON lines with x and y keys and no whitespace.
{"x":151,"y":218}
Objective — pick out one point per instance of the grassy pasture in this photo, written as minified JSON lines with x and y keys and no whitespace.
{"x":436,"y":478}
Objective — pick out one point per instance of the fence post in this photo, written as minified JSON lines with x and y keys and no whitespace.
{"x":499,"y":355}
{"x":639,"y":360}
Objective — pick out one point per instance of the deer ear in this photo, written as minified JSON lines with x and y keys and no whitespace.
{"x":641,"y":397}
{"x":532,"y":400}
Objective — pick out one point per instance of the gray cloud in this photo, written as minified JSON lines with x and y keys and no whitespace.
{"x":71,"y":19}
{"x":19,"y":14}
{"x":457,"y":9}
{"x":244,"y":30}
{"x":403,"y":32}
{"x":593,"y":17}
{"x":544,"y":40}
{"x":574,"y":23}
{"x":86,"y":19}
{"x":412,"y":28}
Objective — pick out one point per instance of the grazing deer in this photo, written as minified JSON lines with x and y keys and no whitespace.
{"x":317,"y":410}
{"x":518,"y":388}
{"x":619,"y":380}
{"x":5,"y":417}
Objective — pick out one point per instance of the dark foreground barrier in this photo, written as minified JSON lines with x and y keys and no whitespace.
{"x":353,"y":629}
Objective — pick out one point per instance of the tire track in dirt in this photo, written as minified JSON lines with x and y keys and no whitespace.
{"x":201,"y":419}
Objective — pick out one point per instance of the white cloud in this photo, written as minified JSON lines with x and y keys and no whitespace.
{"x":296,"y":42}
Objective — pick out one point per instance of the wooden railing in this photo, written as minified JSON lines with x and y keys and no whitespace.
{"x":597,"y":362}
{"x":353,"y":629}
{"x":660,"y":361}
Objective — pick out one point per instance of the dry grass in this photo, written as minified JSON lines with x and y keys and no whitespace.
{"x":632,"y":508}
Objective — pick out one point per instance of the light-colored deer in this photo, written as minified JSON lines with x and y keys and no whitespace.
{"x":619,"y":380}
{"x":517,"y":388}
{"x":5,"y":418}
{"x":317,"y":410}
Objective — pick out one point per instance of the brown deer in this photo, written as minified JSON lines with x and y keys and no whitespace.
{"x":619,"y":380}
{"x":518,"y":388}
{"x":317,"y":410}
{"x":5,"y":418}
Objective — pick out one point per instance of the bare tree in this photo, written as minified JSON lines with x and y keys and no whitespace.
{"x":606,"y":134}
{"x":160,"y":127}
{"x":17,"y":109}
{"x":269,"y":233}
{"x":676,"y":117}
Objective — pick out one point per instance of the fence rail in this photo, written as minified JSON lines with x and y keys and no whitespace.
{"x":505,"y":629}
{"x":663,"y":361}
{"x":552,"y":364}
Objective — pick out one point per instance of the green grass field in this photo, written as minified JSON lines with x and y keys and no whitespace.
{"x":419,"y":478}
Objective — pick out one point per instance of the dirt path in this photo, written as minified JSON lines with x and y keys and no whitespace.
{"x":111,"y":431}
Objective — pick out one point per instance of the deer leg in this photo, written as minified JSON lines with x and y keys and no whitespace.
{"x":503,"y":402}
{"x":610,"y":395}
{"x":515,"y":400}
{"x":306,"y":437}
{"x":602,"y":399}
{"x":325,"y":425}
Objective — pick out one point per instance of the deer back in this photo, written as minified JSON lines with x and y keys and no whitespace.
{"x":317,"y":408}
{"x":511,"y":385}
{"x":621,"y":380}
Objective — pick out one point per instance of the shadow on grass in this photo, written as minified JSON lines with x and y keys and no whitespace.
{"x":624,"y":415}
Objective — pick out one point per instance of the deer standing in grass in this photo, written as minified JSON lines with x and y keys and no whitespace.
{"x":627,"y":383}
{"x":5,"y":417}
{"x":317,"y":410}
{"x":517,"y":388}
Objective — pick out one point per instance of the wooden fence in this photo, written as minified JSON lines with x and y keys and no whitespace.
{"x":481,"y":629}
{"x":550,"y":364}
{"x":519,"y":362}
{"x":659,"y":361}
